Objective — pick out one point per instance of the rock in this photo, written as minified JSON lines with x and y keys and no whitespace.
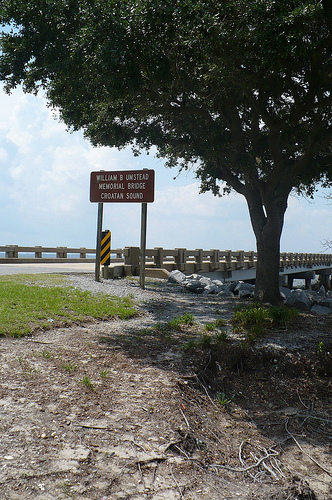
{"x":231,"y":286}
{"x":285,"y":292}
{"x":322,"y":291}
{"x":202,"y":279}
{"x":209,"y":289}
{"x":325,"y":302}
{"x":244,"y":290}
{"x":215,"y":287}
{"x":194,"y":285}
{"x":226,"y":293}
{"x":176,"y":277}
{"x":299,"y":299}
{"x":246,"y":293}
{"x":321,"y":310}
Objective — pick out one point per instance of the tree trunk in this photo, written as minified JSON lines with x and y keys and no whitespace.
{"x":267,"y":220}
{"x":268,"y":265}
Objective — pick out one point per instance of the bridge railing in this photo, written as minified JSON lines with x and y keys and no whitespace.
{"x":199,"y":260}
{"x":186,"y":260}
{"x":18,"y":254}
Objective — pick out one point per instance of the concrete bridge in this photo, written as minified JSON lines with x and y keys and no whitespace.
{"x":228,"y":265}
{"x":225,"y":265}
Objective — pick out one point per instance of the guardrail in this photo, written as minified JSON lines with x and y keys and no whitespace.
{"x":200,"y":260}
{"x":13,"y":254}
{"x":188,"y":261}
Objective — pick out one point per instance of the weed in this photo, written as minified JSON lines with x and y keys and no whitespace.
{"x":204,"y":341}
{"x":47,"y":354}
{"x":281,"y":315}
{"x":223,"y":400}
{"x":216,"y":325}
{"x":168,"y":336}
{"x":87,"y":382}
{"x":221,"y":336}
{"x":104,"y":374}
{"x":255,"y":319}
{"x":320,"y":348}
{"x":176,"y":323}
{"x":251,"y":315}
{"x":160,"y":326}
{"x":69,"y":367}
{"x":220,"y":323}
{"x":209,"y":327}
{"x":190,"y":345}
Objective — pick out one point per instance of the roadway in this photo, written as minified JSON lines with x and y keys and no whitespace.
{"x":6,"y":269}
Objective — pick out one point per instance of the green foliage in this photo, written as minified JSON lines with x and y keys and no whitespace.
{"x":221,"y":336}
{"x":215,"y":325}
{"x":46,"y":354}
{"x":223,"y":400}
{"x":183,"y":76}
{"x":250,"y":317}
{"x":87,"y":383}
{"x":255,"y":319}
{"x":282,"y":315}
{"x":166,"y":330}
{"x":209,"y":327}
{"x":206,"y":341}
{"x":69,"y":367}
{"x":220,"y":323}
{"x":189,"y":345}
{"x":178,"y":322}
{"x":238,"y":90}
{"x":26,"y":307}
{"x":321,"y":348}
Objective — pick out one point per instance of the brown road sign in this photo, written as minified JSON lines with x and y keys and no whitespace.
{"x":129,"y":186}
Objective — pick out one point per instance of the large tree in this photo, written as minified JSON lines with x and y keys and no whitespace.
{"x":239,"y":90}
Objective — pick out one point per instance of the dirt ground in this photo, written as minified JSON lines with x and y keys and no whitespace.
{"x":131,"y":410}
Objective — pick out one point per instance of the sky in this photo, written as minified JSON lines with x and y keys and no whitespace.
{"x":45,"y":183}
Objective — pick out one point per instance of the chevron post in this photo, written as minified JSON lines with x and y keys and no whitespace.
{"x":105,"y":253}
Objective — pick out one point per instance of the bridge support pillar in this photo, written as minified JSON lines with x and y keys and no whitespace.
{"x":308,"y":284}
{"x":290,"y":281}
{"x":325,"y":279}
{"x":307,"y":276}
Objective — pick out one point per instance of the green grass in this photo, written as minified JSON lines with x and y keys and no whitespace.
{"x":178,"y":322}
{"x":29,"y":302}
{"x":69,"y":367}
{"x":87,"y":382}
{"x":255,"y":319}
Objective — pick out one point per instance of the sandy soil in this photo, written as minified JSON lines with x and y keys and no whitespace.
{"x":124,"y":410}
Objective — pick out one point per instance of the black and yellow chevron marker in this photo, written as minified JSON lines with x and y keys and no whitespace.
{"x":105,"y":252}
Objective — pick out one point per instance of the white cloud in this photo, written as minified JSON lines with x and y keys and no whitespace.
{"x":16,"y":172}
{"x":45,"y":175}
{"x":3,"y":155}
{"x":307,"y":223}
